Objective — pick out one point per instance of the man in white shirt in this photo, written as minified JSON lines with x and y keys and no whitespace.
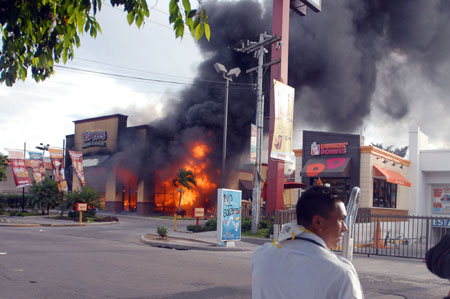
{"x":300,"y":264}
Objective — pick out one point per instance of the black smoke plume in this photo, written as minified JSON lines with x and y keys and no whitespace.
{"x":334,"y":65}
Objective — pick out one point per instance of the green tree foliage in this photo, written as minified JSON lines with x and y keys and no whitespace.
{"x":45,"y":195}
{"x":40,"y":33}
{"x":3,"y":164}
{"x":184,"y":178}
{"x":87,"y":195}
{"x":397,"y":151}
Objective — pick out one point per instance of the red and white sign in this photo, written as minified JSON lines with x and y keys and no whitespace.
{"x":19,"y":168}
{"x":81,"y":207}
{"x":199,"y":212}
{"x":339,"y":148}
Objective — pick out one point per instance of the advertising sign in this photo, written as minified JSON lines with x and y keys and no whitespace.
{"x":441,"y":199}
{"x":19,"y":168}
{"x":229,"y":215}
{"x":81,"y":207}
{"x":253,"y":133}
{"x":37,"y":166}
{"x":284,"y":121}
{"x":77,"y":162}
{"x":442,"y":223}
{"x":56,"y":155}
{"x":199,"y":212}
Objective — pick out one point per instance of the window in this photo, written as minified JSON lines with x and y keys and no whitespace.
{"x":384,"y":194}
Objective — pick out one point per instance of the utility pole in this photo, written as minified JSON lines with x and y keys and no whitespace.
{"x":258,"y":48}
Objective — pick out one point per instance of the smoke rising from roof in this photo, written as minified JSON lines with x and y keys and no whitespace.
{"x":347,"y":63}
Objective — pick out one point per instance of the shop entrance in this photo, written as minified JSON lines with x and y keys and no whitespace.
{"x":129,"y":199}
{"x":340,"y":185}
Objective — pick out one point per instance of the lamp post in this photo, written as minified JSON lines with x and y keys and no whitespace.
{"x":43,"y":148}
{"x":228,"y":76}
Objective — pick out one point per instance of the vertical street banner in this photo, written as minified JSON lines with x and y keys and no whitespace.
{"x":57,"y":156}
{"x":37,"y":166}
{"x":253,"y":133}
{"x":229,"y":214}
{"x":19,"y":168}
{"x":284,"y":121}
{"x":77,"y":162}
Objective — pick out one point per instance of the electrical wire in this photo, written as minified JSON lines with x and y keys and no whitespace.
{"x":142,"y":78}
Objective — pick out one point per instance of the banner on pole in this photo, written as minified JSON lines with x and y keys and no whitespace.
{"x":229,"y":215}
{"x":253,"y":134}
{"x":57,"y":156}
{"x":19,"y":168}
{"x":284,"y":122}
{"x":77,"y":162}
{"x":37,"y":166}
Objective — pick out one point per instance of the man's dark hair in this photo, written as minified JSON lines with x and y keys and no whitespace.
{"x":438,"y":258}
{"x":317,"y":200}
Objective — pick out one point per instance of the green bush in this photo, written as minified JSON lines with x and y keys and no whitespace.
{"x":196,"y":228}
{"x":162,"y":231}
{"x":211,"y":224}
{"x":13,"y":200}
{"x":263,"y":224}
{"x":246,"y":224}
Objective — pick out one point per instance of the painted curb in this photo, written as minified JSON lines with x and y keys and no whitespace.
{"x":202,"y":245}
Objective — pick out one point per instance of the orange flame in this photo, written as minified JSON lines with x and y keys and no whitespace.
{"x":167,"y":195}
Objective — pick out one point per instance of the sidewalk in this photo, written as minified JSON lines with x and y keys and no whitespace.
{"x":36,"y":221}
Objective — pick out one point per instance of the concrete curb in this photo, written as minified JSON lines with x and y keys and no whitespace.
{"x":189,"y":244}
{"x":54,"y":224}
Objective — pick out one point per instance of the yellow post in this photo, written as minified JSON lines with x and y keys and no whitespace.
{"x":81,"y":217}
{"x":175,"y":217}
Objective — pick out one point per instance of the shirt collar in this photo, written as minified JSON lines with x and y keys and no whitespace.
{"x":291,"y":230}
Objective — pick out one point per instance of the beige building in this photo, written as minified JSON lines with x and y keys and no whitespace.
{"x":112,"y":158}
{"x":341,"y":161}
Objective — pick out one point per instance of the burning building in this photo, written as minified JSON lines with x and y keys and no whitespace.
{"x":130,"y":167}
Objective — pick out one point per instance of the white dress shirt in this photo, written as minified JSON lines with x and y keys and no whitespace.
{"x":302,"y":269}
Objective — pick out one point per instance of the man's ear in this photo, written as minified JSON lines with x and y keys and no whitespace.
{"x":317,"y":223}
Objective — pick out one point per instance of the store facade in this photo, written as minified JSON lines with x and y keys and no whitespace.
{"x":112,"y":158}
{"x":430,"y":175}
{"x":341,"y":161}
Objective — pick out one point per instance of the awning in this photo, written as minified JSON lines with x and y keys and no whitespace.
{"x":327,"y":167}
{"x":390,"y":176}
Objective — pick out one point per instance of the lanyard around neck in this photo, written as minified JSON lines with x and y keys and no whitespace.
{"x":310,"y":240}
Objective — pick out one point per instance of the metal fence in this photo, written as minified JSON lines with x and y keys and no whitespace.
{"x":390,"y":235}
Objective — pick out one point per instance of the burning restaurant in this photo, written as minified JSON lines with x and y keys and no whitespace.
{"x":130,"y":167}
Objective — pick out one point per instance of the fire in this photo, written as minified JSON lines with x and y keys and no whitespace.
{"x":167,"y":196}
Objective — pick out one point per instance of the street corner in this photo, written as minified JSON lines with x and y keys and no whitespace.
{"x":185,"y":244}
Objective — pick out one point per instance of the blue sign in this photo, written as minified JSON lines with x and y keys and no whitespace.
{"x":229,"y":214}
{"x":443,"y":223}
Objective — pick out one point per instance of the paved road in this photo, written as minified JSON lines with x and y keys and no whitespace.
{"x":108,"y":261}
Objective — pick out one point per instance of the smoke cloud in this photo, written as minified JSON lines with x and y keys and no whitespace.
{"x":355,"y":61}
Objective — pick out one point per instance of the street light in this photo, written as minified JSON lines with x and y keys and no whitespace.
{"x":43,"y":147}
{"x":228,"y":76}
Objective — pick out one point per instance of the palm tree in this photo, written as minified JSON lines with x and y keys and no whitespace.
{"x":185,"y":178}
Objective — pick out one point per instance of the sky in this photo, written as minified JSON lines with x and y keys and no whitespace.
{"x":44,"y":112}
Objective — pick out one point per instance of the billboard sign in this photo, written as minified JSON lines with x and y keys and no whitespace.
{"x":253,"y":134}
{"x":284,"y":122}
{"x":441,"y":199}
{"x":19,"y":168}
{"x":229,"y":214}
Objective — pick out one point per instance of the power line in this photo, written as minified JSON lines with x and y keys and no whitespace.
{"x":159,"y":74}
{"x":141,"y":78}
